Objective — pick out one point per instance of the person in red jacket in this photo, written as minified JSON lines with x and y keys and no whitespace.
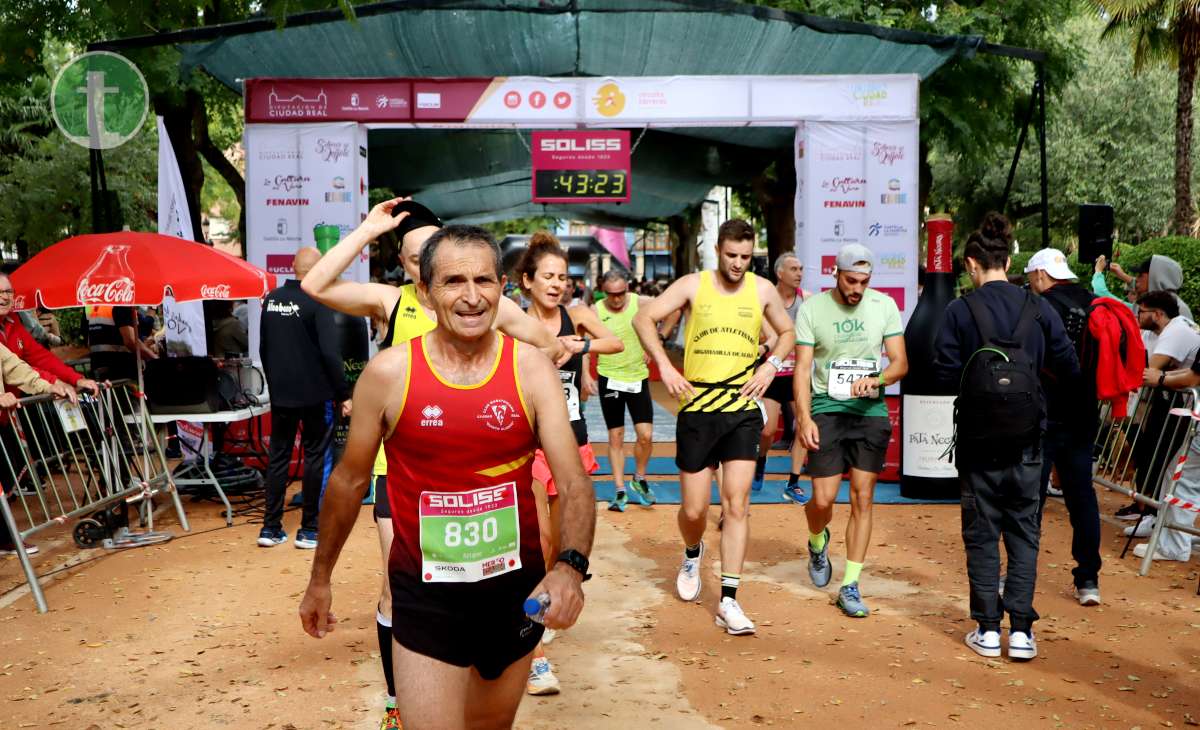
{"x":15,"y":337}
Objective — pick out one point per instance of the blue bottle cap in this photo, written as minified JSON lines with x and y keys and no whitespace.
{"x":532,"y":606}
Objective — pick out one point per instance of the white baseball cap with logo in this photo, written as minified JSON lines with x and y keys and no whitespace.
{"x":855,"y":258}
{"x":1053,"y":262}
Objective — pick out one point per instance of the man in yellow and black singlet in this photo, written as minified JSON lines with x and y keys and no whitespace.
{"x":720,"y":418}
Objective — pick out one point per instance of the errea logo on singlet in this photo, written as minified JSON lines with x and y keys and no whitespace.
{"x":431,"y":416}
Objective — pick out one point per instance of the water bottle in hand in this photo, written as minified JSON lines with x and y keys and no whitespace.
{"x":536,"y":607}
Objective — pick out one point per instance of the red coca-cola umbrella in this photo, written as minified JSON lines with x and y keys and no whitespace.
{"x":133,"y":269}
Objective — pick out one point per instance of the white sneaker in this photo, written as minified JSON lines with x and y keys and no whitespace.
{"x":1088,"y":595}
{"x":548,"y":635}
{"x":984,"y":643}
{"x":1021,"y":646}
{"x":1140,"y":551}
{"x":1053,"y":491}
{"x":731,"y":618}
{"x":1141,"y":529}
{"x":541,"y":678}
{"x":687,"y":582}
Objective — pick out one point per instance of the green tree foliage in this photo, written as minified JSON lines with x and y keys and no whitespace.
{"x":1109,"y":140}
{"x":969,"y":107}
{"x":1166,"y":31}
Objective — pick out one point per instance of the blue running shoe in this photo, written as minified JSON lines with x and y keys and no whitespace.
{"x":795,"y":493}
{"x":757,"y":484}
{"x":618,"y":502}
{"x":642,"y":491}
{"x":851,"y":603}
{"x":270,"y":537}
{"x":306,"y":540}
{"x":819,"y":569}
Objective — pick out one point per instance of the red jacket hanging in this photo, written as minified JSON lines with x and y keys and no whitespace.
{"x":1117,"y":376}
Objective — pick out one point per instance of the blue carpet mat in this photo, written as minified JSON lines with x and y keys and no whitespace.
{"x":665,"y":466}
{"x":771,"y":493}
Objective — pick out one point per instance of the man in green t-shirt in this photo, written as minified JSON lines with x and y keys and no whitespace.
{"x":841,"y":416}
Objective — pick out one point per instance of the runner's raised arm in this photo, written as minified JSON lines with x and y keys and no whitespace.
{"x":354,"y":297}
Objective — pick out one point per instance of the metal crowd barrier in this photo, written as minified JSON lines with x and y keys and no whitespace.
{"x":88,"y":461}
{"x":1142,"y":455}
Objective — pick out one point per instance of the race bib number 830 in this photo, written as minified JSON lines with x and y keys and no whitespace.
{"x":470,"y":536}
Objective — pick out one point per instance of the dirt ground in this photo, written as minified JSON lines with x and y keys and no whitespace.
{"x":202,"y":632}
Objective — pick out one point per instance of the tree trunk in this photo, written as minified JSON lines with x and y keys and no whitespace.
{"x":1183,"y":218}
{"x":777,"y":198}
{"x":685,"y":230}
{"x":216,"y":158}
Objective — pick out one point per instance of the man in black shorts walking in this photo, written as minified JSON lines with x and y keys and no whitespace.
{"x":720,"y":419}
{"x":625,"y":385}
{"x":467,"y":551}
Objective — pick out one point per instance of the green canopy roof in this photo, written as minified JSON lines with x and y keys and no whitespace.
{"x":484,"y":175}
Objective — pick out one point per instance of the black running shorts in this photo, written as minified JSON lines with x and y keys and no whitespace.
{"x":614,"y":402}
{"x":780,"y":389}
{"x":703,"y":440}
{"x":383,"y":508}
{"x":481,"y":625}
{"x":849,"y":441}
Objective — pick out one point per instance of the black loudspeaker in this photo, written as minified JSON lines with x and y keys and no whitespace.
{"x":1095,"y":232}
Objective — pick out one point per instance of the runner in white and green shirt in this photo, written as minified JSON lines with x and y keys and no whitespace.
{"x":842,"y":418}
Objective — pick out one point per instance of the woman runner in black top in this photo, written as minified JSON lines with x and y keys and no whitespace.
{"x":543,"y":275}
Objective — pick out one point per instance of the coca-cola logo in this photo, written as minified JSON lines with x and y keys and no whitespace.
{"x":287,"y":182}
{"x":214,"y":291}
{"x":887,"y":154}
{"x":19,"y":302}
{"x":843,"y":185}
{"x":332,"y":150}
{"x":117,"y":291}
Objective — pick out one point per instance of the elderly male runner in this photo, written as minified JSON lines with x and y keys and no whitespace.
{"x":467,"y":551}
{"x":720,"y":418}
{"x":401,"y":315}
{"x":842,"y":419}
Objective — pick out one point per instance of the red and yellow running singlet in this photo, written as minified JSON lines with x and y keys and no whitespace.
{"x":462,"y":503}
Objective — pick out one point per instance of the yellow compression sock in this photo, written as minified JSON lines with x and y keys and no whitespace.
{"x":817,"y":541}
{"x":853,"y":570}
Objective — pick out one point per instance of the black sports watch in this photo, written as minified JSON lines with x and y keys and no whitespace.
{"x":576,"y":560}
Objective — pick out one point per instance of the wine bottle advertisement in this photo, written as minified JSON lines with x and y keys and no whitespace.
{"x":928,"y":432}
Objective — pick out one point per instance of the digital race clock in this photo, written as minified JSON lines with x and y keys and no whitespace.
{"x":611,"y":185}
{"x":581,"y":166}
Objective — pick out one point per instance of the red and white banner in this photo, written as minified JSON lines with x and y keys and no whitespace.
{"x":594,"y":102}
{"x":299,"y":176}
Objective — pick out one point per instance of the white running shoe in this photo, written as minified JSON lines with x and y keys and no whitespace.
{"x":731,"y":618}
{"x":541,"y":678}
{"x":1140,"y":551}
{"x":1141,"y":529}
{"x":984,"y":643}
{"x":1021,"y":646}
{"x":1088,"y":595}
{"x":1053,"y":491}
{"x":687,"y":582}
{"x":548,"y":635}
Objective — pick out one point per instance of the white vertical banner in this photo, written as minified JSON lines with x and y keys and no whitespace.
{"x":834,"y":198}
{"x":857,"y":183}
{"x":891,"y":157}
{"x":184,"y":320}
{"x":798,"y":211}
{"x":299,"y":176}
